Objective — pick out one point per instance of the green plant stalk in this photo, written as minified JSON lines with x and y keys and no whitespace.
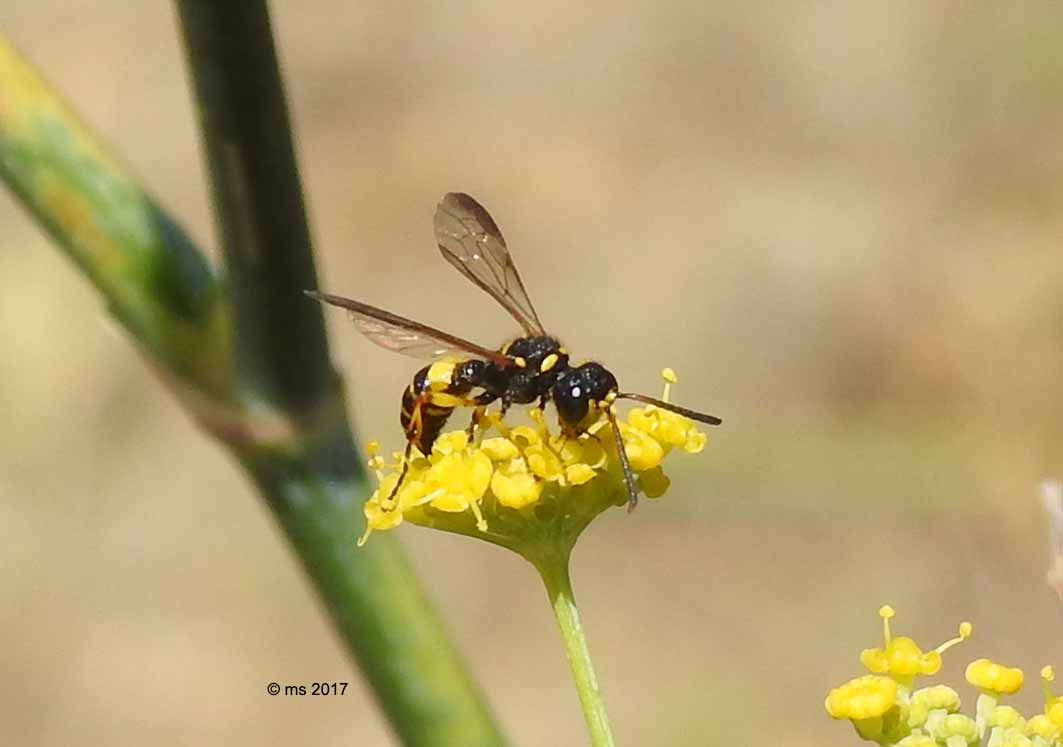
{"x":155,"y":281}
{"x":289,"y":428}
{"x":379,"y":610}
{"x":555,"y":574}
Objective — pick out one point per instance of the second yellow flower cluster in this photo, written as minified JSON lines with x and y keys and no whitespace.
{"x":883,"y":707}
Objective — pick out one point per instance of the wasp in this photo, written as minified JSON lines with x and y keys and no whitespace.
{"x":534,"y":366}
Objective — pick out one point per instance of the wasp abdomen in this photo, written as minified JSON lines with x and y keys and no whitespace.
{"x":433,"y":395}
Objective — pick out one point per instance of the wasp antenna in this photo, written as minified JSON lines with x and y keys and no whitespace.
{"x":629,"y":477}
{"x":326,"y":298}
{"x":692,"y":414}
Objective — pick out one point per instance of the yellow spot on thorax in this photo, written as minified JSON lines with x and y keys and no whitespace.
{"x":521,"y":363}
{"x":548,"y":362}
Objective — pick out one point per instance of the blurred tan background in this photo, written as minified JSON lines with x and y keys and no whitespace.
{"x":839,"y":222}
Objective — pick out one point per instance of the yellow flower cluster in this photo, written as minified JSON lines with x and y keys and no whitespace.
{"x":494,"y":485}
{"x":883,"y":708}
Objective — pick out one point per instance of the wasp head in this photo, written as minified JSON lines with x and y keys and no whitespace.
{"x":577,"y":388}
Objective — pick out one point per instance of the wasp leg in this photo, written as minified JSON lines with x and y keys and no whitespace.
{"x":629,"y":477}
{"x":413,"y":435}
{"x":479,"y":404}
{"x":506,"y":403}
{"x":474,"y":421}
{"x":391,"y":500}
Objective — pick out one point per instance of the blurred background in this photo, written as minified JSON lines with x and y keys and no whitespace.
{"x":839,"y":222}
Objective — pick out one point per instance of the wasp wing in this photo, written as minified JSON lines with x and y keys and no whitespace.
{"x":406,"y":336}
{"x":471,"y":241}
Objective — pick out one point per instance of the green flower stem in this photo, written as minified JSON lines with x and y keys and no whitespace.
{"x":554,"y":570}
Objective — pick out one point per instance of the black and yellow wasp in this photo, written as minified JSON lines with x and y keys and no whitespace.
{"x":532,"y":367}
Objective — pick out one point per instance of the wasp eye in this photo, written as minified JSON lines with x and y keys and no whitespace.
{"x":570,"y":399}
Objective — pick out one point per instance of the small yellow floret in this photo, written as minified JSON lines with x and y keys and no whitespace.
{"x":937,"y":697}
{"x":514,"y":486}
{"x":499,"y":449}
{"x":643,"y":451}
{"x":901,"y":656}
{"x":578,"y":474}
{"x":654,"y":483}
{"x":958,"y":725}
{"x":1041,"y":726}
{"x":992,"y":677}
{"x":1006,"y":717}
{"x":862,"y":698}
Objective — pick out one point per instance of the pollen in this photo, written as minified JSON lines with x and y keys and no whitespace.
{"x":504,"y":483}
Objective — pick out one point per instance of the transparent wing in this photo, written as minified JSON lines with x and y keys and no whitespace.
{"x":406,"y":336}
{"x":470,"y":240}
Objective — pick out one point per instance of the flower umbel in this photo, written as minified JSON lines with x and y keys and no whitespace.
{"x":513,"y":485}
{"x":534,"y":491}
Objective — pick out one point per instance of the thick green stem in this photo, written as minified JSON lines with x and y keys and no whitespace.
{"x":261,"y":382}
{"x":154,"y":279}
{"x":554,"y":570}
{"x":280,"y":346}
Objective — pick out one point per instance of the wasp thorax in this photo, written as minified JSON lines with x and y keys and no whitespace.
{"x":537,"y":354}
{"x":578,"y":388}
